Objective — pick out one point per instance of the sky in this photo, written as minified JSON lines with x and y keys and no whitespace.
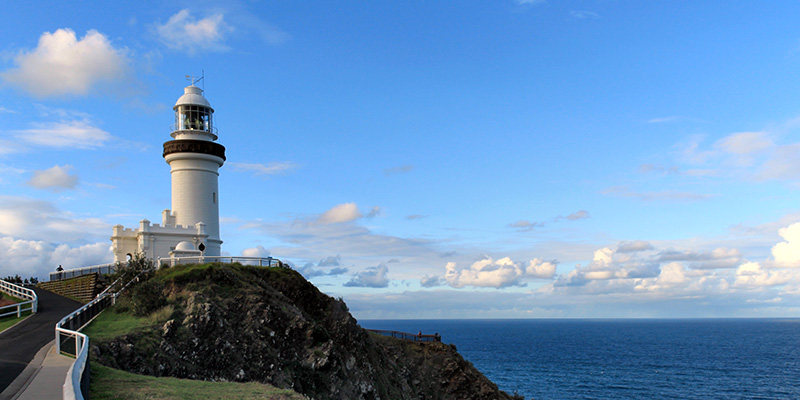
{"x":428,"y":159}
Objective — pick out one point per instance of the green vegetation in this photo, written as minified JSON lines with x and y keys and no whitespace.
{"x":11,"y":320}
{"x":109,"y":383}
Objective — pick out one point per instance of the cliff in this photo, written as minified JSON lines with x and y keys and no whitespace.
{"x":227,"y":322}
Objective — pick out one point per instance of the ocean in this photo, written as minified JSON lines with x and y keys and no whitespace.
{"x":627,"y":358}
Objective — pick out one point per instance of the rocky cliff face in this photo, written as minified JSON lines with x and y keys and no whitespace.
{"x":240,"y":323}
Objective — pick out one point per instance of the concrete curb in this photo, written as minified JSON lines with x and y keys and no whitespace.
{"x":15,"y":389}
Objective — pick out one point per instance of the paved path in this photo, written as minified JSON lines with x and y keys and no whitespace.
{"x":19,"y":344}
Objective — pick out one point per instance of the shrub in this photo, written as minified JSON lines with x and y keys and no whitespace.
{"x":147,"y":297}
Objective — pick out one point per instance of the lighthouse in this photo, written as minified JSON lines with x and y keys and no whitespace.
{"x":194,"y":159}
{"x":191,"y":226}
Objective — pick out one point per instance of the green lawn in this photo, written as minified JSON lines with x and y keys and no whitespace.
{"x":9,"y":321}
{"x":109,"y":383}
{"x":109,"y":325}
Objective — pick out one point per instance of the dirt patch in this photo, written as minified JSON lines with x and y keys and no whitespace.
{"x":5,"y":302}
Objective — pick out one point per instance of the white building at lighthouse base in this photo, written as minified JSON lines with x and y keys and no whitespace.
{"x":156,"y":241}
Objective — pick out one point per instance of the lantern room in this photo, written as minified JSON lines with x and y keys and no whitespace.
{"x":193,"y":116}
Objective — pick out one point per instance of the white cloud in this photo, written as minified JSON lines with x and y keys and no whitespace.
{"x":583,"y":14}
{"x":753,"y":275}
{"x":63,"y":65}
{"x":633,"y":246}
{"x":787,"y":253}
{"x":38,"y":258}
{"x":373,"y":277}
{"x":582,"y":214}
{"x":340,"y":213}
{"x":525,"y":225}
{"x":72,"y":134}
{"x":398,"y":170}
{"x":744,"y":143}
{"x":183,"y":32}
{"x":665,"y":195}
{"x":56,"y":178}
{"x":32,"y":219}
{"x":485,"y":273}
{"x":541,"y":269}
{"x":429,"y":281}
{"x":264,"y":169}
{"x":258,"y":251}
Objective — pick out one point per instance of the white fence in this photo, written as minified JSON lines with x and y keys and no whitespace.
{"x":20,"y":292}
{"x":71,"y":273}
{"x":74,"y":343}
{"x":259,"y":261}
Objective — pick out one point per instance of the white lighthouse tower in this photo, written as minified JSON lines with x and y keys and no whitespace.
{"x":191,"y":227}
{"x":194,"y":160}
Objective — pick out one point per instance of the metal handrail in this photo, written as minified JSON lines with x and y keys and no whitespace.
{"x":77,"y":380}
{"x":19,"y":291}
{"x":260,"y":261}
{"x":408,"y":336}
{"x":71,"y":273}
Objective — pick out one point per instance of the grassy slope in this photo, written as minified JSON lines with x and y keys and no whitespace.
{"x":10,"y":320}
{"x":110,"y":383}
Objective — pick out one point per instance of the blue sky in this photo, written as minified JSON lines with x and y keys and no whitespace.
{"x":506,"y":159}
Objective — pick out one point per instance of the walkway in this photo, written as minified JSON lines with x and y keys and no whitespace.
{"x":19,"y":344}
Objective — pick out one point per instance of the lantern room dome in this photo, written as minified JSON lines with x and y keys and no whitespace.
{"x":192,"y":95}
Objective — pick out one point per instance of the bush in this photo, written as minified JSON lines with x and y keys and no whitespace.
{"x":147,"y":297}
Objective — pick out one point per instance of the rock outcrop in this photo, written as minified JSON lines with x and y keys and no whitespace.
{"x":230,"y":322}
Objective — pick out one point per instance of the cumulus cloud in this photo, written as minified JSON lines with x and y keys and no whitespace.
{"x":32,"y":219}
{"x":787,"y":253}
{"x":56,"y":178}
{"x":183,"y":32}
{"x":263,"y":169}
{"x":752,"y":274}
{"x":541,"y":269}
{"x":429,"y":281}
{"x":485,"y":273}
{"x":310,"y":270}
{"x":372,"y":277}
{"x":258,"y":251}
{"x":340,"y":213}
{"x":63,"y":65}
{"x":608,"y":265}
{"x":38,"y":258}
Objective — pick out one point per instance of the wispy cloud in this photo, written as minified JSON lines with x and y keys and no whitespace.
{"x":264,"y":169}
{"x":403,"y":169}
{"x":666,"y":195}
{"x":184,"y":32}
{"x":65,"y":134}
{"x":583,"y":14}
{"x":63,"y":65}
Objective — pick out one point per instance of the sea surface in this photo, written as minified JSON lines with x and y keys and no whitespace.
{"x":627,"y":358}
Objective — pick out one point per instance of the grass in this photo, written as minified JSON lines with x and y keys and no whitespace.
{"x":10,"y":320}
{"x":109,"y":383}
{"x":118,"y":320}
